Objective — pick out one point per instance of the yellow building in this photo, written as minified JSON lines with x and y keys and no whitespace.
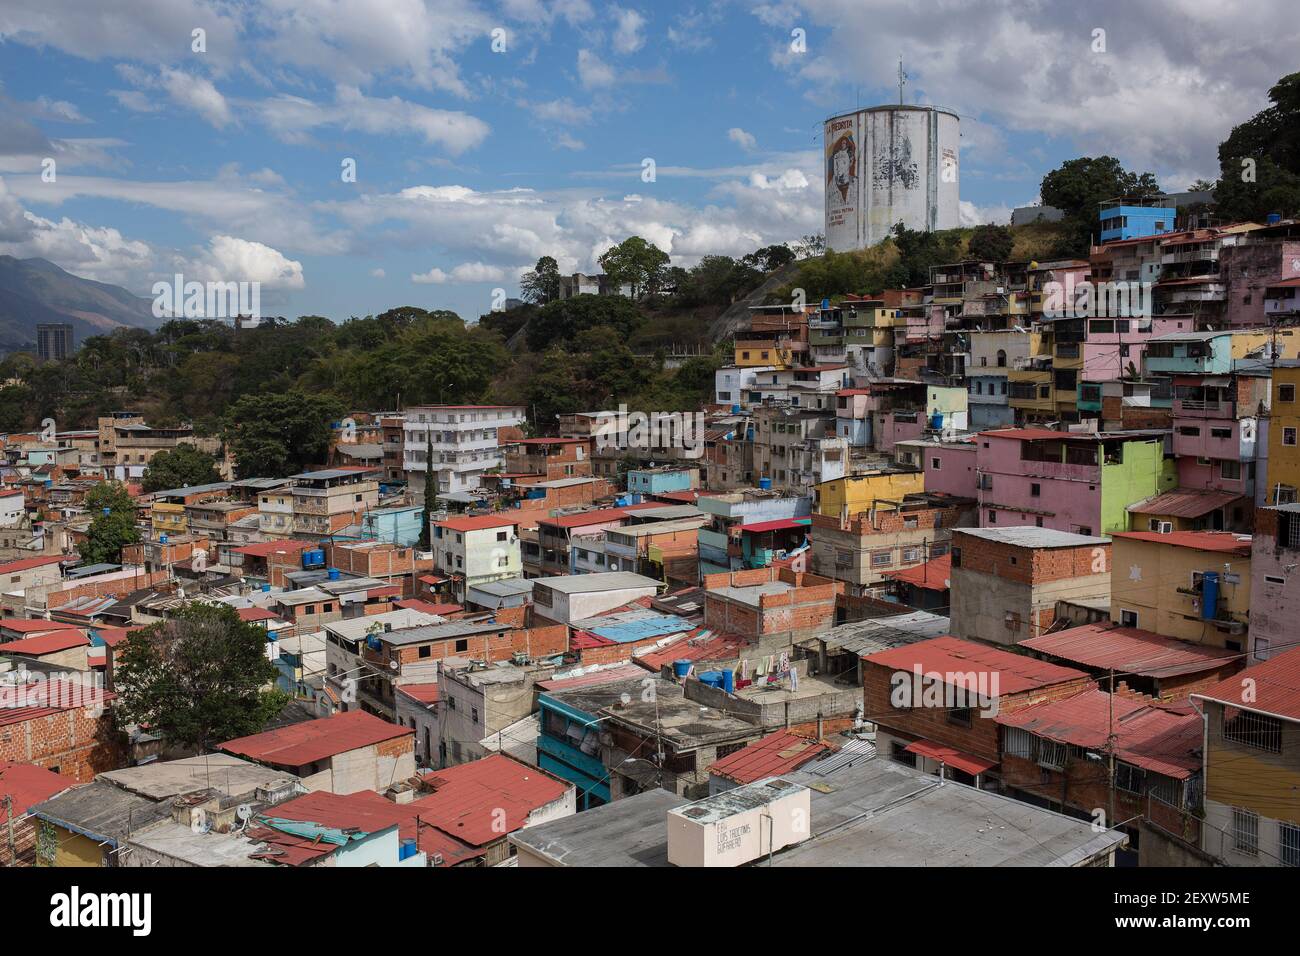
{"x":763,"y":353}
{"x":1284,"y":435}
{"x":168,"y":518}
{"x":857,"y":493}
{"x":1192,"y":585}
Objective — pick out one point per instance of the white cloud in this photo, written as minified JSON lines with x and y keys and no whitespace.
{"x":230,"y":259}
{"x":628,"y":27}
{"x":593,"y":72}
{"x":467,"y":272}
{"x":377,"y":273}
{"x":290,"y":117}
{"x":745,"y":141}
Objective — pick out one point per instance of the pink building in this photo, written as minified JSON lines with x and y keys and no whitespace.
{"x":1069,"y":481}
{"x":1216,"y":431}
{"x":949,"y":466}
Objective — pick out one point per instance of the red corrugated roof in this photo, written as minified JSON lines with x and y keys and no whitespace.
{"x":781,"y":523}
{"x":700,"y":644}
{"x":428,"y":607}
{"x":19,"y":704}
{"x":547,"y":441}
{"x":256,"y":614}
{"x":477,"y":523}
{"x":113,"y":636}
{"x":266,"y":548}
{"x":1220,"y":542}
{"x":606,"y":675}
{"x":424,"y":693}
{"x":770,"y":756}
{"x":26,"y":564}
{"x":34,"y":626}
{"x":46,"y":643}
{"x":27,"y":784}
{"x":599,"y":516}
{"x":364,"y":811}
{"x":1034,"y":434}
{"x":480,"y":802}
{"x":951,"y":757}
{"x":1184,"y":503}
{"x":1015,"y":672}
{"x":312,"y":740}
{"x":1274,"y":687}
{"x":1129,"y":650}
{"x":934,"y":575}
{"x":1150,"y":737}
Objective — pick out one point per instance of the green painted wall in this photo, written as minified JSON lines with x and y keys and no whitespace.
{"x":1143,"y":472}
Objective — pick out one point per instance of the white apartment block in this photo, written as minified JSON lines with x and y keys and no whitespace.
{"x":465,"y":443}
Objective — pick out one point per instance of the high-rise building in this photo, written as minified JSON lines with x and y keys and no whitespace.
{"x":53,"y":341}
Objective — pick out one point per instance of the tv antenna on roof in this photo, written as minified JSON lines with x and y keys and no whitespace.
{"x":902,"y":79}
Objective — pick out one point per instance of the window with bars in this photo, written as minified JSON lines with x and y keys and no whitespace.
{"x":1259,"y":731}
{"x":1288,"y":841}
{"x":1129,"y":778}
{"x":1245,"y":831}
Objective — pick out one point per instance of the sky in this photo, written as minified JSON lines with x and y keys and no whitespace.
{"x":485,"y":135}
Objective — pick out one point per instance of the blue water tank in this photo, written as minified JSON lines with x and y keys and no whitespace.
{"x":729,"y":681}
{"x":266,"y":587}
{"x":735,"y":409}
{"x":936,"y":421}
{"x":681,"y":669}
{"x":332,"y":574}
{"x":162,"y":539}
{"x":272,"y":635}
{"x":1210,"y":595}
{"x":765,"y":484}
{"x":313,"y":558}
{"x":1274,"y":218}
{"x":826,"y":304}
{"x":408,"y":849}
{"x":712,"y":678}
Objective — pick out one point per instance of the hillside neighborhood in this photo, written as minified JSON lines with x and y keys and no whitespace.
{"x":674,"y":438}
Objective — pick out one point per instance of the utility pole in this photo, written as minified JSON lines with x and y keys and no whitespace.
{"x":902,"y":78}
{"x":9,"y":816}
{"x":1110,"y":746}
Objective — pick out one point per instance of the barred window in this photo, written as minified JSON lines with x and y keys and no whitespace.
{"x":1289,"y":844}
{"x":1130,"y":779}
{"x":1259,"y":731}
{"x":1245,"y":831}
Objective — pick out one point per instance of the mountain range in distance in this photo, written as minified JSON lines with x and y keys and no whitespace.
{"x":36,"y":291}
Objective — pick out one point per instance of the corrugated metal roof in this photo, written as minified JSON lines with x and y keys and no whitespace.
{"x":951,"y":756}
{"x":480,"y":802}
{"x":26,"y":784}
{"x":1275,"y":686}
{"x":952,"y":655}
{"x":1184,"y":503}
{"x":1129,"y":650}
{"x":313,"y":740}
{"x":769,"y":756}
{"x":1146,"y":736}
{"x":46,"y":643}
{"x":1220,"y":542}
{"x":934,"y":574}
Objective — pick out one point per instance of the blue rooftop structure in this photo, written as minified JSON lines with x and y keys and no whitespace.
{"x":1120,"y":220}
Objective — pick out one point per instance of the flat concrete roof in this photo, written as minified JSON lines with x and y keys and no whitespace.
{"x":629,"y":832}
{"x":224,"y":772}
{"x":751,"y":595}
{"x":1030,"y":536}
{"x":600,"y":581}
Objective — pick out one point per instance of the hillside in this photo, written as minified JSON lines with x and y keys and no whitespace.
{"x":33,"y":291}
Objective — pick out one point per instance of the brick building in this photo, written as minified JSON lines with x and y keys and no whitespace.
{"x":770,"y":605}
{"x":947,"y":719}
{"x":65,"y":728}
{"x":1006,"y":581}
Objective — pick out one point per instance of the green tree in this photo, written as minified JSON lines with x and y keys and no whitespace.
{"x":769,"y":258}
{"x":558,"y":322}
{"x":636,"y":263}
{"x":277,"y":434}
{"x":1259,"y":162}
{"x":990,"y":242}
{"x":542,"y":284}
{"x":1078,"y":187}
{"x":113,"y":526}
{"x":182,"y":467}
{"x":199,"y":678}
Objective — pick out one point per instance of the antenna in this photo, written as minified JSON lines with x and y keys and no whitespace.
{"x":902,"y":79}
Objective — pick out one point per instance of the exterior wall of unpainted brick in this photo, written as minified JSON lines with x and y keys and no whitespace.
{"x":1032,"y":565}
{"x":931,"y":723}
{"x":77,"y":744}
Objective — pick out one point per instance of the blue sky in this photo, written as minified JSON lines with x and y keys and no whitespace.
{"x":225,"y":164}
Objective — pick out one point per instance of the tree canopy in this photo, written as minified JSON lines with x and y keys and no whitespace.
{"x":199,"y":678}
{"x":183,"y":466}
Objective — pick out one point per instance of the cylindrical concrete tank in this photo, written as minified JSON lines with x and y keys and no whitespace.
{"x":886,"y":165}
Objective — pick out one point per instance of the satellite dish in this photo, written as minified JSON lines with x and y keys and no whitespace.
{"x":245,"y":812}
